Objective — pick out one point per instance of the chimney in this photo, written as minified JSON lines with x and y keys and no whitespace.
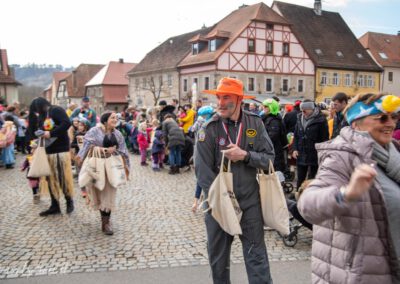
{"x":317,"y":7}
{"x":121,"y":60}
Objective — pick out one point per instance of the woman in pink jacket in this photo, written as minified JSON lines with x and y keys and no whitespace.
{"x":354,"y":200}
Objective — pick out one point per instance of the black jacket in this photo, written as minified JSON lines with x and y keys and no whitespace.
{"x":339,"y":121}
{"x":276,"y":131}
{"x":305,"y":139}
{"x":167,"y":109}
{"x":290,"y":120}
{"x":60,"y":129}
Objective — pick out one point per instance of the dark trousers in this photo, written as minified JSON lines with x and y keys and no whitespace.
{"x":302,"y":171}
{"x":254,"y":250}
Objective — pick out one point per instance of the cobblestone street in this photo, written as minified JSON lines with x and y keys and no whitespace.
{"x":154,"y":227}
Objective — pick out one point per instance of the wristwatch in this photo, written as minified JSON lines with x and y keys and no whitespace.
{"x":247,"y":158}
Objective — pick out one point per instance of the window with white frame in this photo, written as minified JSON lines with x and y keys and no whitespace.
{"x":185,"y":85}
{"x":370,"y":81}
{"x":269,"y":47}
{"x":324,"y":78}
{"x":206,"y":83}
{"x":269,"y":85}
{"x":137,"y":83}
{"x":348,"y":80}
{"x":195,"y":48}
{"x":169,"y":80}
{"x":251,"y":45}
{"x":300,"y":85}
{"x":285,"y":85}
{"x":360,"y":80}
{"x":212,"y":45}
{"x":335,"y":79}
{"x":250,"y":84}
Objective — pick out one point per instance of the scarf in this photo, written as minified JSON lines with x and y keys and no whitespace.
{"x":388,"y":158}
{"x":306,"y":121}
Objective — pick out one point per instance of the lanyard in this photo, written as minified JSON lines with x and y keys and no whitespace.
{"x":239,"y":135}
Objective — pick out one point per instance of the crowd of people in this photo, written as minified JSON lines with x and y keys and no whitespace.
{"x":347,"y":152}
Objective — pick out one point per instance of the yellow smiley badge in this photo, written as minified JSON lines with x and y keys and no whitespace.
{"x":251,"y":133}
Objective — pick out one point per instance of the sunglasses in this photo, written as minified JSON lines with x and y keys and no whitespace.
{"x":384,"y":117}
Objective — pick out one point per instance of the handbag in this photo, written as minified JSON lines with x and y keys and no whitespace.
{"x":115,"y":170}
{"x":273,"y":203}
{"x":39,"y":166}
{"x":222,"y":201}
{"x":93,"y":170}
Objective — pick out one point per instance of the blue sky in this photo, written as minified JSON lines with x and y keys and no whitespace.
{"x":76,"y":31}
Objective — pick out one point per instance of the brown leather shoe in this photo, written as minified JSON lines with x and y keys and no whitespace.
{"x":106,"y":225}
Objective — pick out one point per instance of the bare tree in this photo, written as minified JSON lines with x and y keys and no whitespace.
{"x":154,"y":88}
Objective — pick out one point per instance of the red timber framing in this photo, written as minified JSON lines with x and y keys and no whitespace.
{"x":240,"y":60}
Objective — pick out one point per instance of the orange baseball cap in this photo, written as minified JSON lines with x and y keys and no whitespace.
{"x":229,"y":86}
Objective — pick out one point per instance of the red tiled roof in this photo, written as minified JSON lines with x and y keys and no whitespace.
{"x":79,"y":77}
{"x":117,"y":73}
{"x":231,"y":26}
{"x":330,"y":34}
{"x":168,"y":54}
{"x":6,"y":77}
{"x":384,"y":44}
{"x":197,"y":38}
{"x":58,"y":76}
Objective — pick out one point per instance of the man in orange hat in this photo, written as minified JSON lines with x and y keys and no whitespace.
{"x":246,"y":143}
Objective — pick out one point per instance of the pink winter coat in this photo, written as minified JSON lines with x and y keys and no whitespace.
{"x":350,"y":240}
{"x":142,"y":140}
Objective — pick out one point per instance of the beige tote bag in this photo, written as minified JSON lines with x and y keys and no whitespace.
{"x":273,"y":203}
{"x":39,"y":166}
{"x":93,"y":170}
{"x":115,"y":170}
{"x":222,"y":201}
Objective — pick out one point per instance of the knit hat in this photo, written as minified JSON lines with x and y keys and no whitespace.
{"x":307,"y":106}
{"x":385,"y":104}
{"x":273,"y":106}
{"x":162,"y":103}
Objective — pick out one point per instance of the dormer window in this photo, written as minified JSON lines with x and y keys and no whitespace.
{"x":339,"y":53}
{"x":212,"y":45}
{"x":360,"y":56}
{"x":195,"y":48}
{"x":318,"y":51}
{"x":383,"y":55}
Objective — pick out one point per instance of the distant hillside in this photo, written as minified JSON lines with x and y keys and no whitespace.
{"x":39,"y":75}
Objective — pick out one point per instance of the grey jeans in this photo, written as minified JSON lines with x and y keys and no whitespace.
{"x":254,"y":249}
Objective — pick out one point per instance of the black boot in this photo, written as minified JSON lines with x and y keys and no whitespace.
{"x":70,"y":204}
{"x":176,"y":169}
{"x":54,"y":209}
{"x":172,"y":170}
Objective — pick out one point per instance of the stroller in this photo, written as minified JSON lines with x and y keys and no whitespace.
{"x":291,"y":239}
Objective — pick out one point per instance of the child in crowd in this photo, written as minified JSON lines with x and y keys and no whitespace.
{"x":181,"y":114}
{"x":157,"y":150}
{"x":77,"y":142}
{"x":133,"y":131}
{"x":8,"y":133}
{"x":33,"y":182}
{"x":143,"y":141}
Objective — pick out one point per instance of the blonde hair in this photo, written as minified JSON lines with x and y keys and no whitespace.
{"x":155,"y":122}
{"x":143,"y":126}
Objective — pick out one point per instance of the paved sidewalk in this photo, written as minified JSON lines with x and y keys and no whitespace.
{"x":154,"y":228}
{"x":292,"y":272}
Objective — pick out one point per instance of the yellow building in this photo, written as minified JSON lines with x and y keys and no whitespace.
{"x":328,"y":82}
{"x":341,"y":63}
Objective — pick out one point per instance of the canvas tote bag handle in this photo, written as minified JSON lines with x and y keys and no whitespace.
{"x":221,"y":168}
{"x":271,"y":168}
